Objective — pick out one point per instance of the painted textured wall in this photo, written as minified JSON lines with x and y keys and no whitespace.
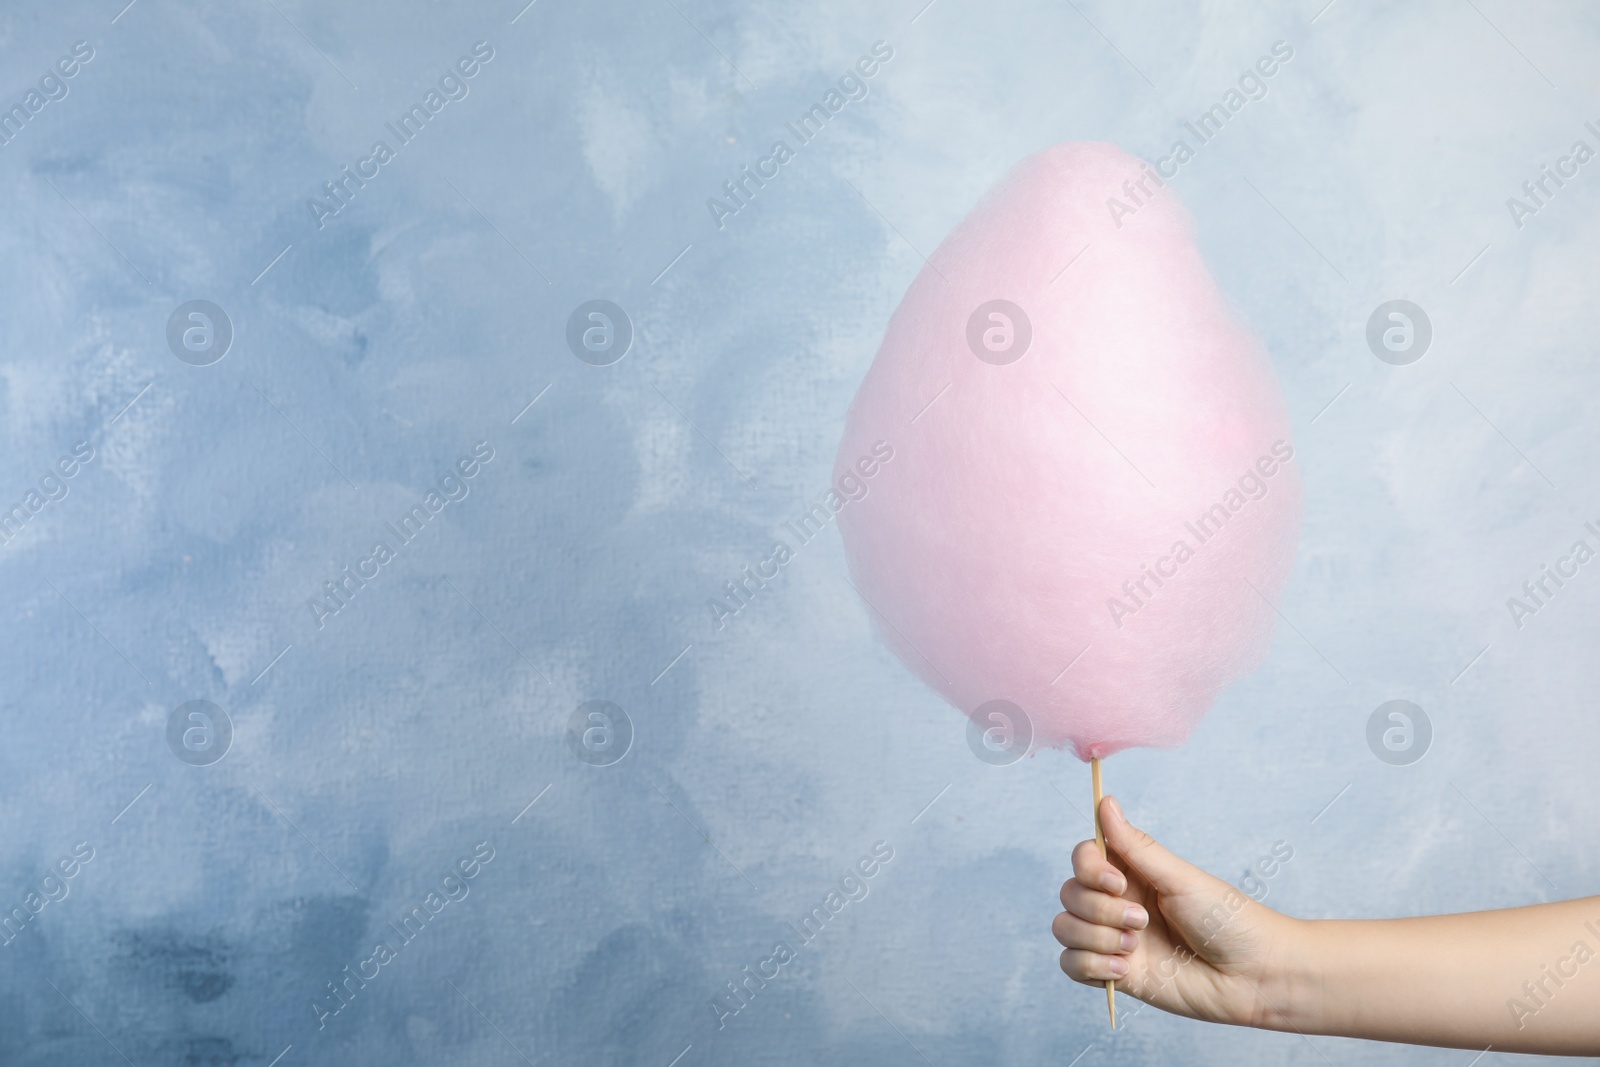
{"x":408,"y":750}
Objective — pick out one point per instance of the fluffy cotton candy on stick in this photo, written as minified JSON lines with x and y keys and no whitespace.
{"x":1093,"y":501}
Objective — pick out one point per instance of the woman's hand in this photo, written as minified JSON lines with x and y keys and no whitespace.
{"x":1169,"y":933}
{"x":1517,"y":980}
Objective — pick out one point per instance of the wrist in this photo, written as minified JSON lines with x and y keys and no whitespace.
{"x":1288,"y":993}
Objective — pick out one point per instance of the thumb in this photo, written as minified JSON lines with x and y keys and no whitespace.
{"x":1164,"y":871}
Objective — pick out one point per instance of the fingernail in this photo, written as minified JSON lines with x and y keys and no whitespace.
{"x":1109,"y":806}
{"x":1111,"y":882}
{"x":1119,"y":966}
{"x":1135,"y":917}
{"x":1128,"y":941}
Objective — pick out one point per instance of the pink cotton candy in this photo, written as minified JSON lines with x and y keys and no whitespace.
{"x":1023,"y":544}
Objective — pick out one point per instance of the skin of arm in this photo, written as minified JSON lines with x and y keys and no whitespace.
{"x":1519,"y":980}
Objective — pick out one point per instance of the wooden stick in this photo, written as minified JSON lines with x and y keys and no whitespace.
{"x":1100,"y":839}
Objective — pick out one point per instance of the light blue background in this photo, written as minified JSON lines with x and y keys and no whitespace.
{"x":426,"y":715}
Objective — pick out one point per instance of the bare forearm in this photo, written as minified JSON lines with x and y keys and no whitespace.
{"x":1521,"y":980}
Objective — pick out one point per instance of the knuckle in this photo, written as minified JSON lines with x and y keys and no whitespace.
{"x":1098,"y":908}
{"x":1106,"y":940}
{"x":1084,"y":966}
{"x":1074,"y":932}
{"x":1083,"y":905}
